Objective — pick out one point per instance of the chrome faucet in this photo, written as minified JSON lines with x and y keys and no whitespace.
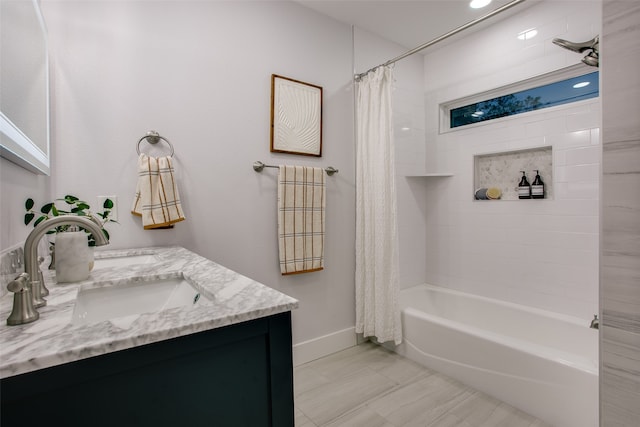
{"x":23,"y":310}
{"x":35,"y":282}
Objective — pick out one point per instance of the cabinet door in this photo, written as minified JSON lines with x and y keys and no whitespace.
{"x":240,"y":375}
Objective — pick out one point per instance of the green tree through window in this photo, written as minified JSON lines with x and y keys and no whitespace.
{"x":558,"y":93}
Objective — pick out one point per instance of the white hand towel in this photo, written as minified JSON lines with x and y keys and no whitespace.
{"x":301,"y":205}
{"x":157,"y":200}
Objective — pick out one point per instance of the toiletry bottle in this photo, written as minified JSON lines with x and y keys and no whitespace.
{"x":524,"y":189}
{"x":537,"y":187}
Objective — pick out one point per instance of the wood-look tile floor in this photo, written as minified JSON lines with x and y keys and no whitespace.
{"x":370,"y":386}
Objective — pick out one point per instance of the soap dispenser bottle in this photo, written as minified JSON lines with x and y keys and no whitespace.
{"x":537,"y":187}
{"x":524,"y":188}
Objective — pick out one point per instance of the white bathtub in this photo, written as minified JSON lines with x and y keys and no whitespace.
{"x":543,"y":363}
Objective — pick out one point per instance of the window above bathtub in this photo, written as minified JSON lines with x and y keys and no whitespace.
{"x":571,"y":84}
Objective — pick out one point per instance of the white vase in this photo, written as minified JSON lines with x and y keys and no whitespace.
{"x":72,"y":257}
{"x":92,"y":257}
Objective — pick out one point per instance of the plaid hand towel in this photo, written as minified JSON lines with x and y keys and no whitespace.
{"x":301,"y":204}
{"x":157,"y":200}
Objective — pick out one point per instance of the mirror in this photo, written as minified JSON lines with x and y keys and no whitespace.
{"x":24,"y":86}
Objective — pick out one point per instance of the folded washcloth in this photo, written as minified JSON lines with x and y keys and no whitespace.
{"x":157,"y":200}
{"x":301,"y":203}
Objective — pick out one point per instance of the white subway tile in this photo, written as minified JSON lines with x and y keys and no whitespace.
{"x":588,"y":224}
{"x":583,"y":156}
{"x":552,"y":29}
{"x":583,"y":190}
{"x":536,"y":299}
{"x":528,"y":142}
{"x":583,"y":172}
{"x":559,"y":158}
{"x":595,"y":136}
{"x":579,"y":138}
{"x":559,"y":175}
{"x":582,"y":121}
{"x":582,"y":107}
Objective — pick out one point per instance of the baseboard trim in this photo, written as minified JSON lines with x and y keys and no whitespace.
{"x":316,"y":348}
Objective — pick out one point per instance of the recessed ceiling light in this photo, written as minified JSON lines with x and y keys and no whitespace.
{"x":528,"y":34}
{"x":477,"y":4}
{"x":581,"y":84}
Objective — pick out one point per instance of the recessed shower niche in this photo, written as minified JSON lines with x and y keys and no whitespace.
{"x":503,"y":171}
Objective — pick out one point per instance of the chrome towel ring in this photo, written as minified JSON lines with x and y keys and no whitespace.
{"x":154,"y":137}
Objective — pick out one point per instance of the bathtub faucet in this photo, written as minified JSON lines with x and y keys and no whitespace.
{"x":595,"y":323}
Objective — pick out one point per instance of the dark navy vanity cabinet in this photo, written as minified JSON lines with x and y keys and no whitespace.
{"x":238,"y":375}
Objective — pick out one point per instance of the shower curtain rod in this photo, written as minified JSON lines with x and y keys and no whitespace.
{"x":442,"y":37}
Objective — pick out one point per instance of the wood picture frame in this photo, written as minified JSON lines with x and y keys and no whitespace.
{"x":296,"y":117}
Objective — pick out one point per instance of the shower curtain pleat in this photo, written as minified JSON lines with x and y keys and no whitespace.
{"x":377,"y":283}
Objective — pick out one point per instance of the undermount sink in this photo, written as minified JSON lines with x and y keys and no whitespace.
{"x":125,"y":260}
{"x":96,"y":303}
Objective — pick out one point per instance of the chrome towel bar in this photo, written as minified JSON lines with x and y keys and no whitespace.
{"x":258,"y":166}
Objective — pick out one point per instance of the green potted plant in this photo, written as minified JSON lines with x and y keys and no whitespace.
{"x":75,"y":206}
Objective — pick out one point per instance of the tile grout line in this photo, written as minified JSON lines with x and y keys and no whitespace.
{"x":366,"y":403}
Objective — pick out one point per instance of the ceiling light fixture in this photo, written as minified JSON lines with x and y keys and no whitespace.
{"x":477,"y":4}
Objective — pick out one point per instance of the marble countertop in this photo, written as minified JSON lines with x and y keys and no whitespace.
{"x":53,"y":339}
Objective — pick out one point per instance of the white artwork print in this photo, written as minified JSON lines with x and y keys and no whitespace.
{"x":297,"y":117}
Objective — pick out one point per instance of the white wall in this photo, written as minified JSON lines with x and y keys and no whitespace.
{"x":541,"y":253}
{"x":16,"y":186}
{"x":408,"y":117}
{"x":199,"y":73}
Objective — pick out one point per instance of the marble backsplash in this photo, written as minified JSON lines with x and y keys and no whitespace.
{"x":12,"y":263}
{"x":503,"y":170}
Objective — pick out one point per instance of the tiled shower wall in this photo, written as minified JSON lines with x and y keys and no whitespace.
{"x":541,"y":253}
{"x":498,"y":170}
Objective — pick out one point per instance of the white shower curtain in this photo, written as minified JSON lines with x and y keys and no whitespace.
{"x":377,"y":287}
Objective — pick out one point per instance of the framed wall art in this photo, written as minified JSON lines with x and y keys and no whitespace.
{"x":296,"y":117}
